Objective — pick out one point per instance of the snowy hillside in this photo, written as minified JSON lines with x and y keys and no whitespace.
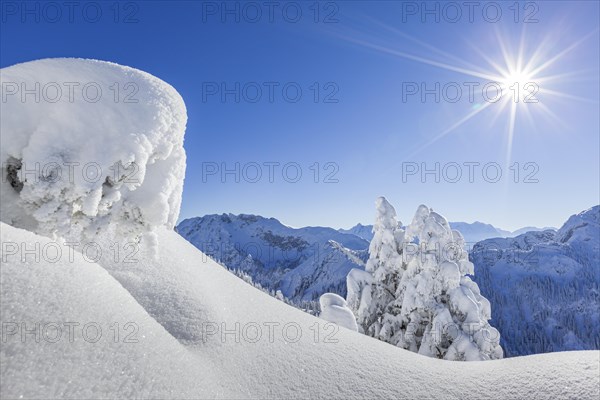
{"x":133,"y":310}
{"x":544,"y":286}
{"x":69,"y":329}
{"x":223,"y":338}
{"x":303,"y":263}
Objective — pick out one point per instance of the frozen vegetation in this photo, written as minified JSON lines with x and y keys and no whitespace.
{"x":86,"y":163}
{"x":419,"y":296}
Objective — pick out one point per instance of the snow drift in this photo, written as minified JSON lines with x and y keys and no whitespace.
{"x":335,"y":309}
{"x":236,"y":340}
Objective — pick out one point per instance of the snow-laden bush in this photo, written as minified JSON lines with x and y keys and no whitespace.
{"x":88,"y":145}
{"x":357,"y":297}
{"x":335,"y":309}
{"x":419,"y":296}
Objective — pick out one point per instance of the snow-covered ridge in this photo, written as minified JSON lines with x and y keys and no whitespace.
{"x":544,"y":286}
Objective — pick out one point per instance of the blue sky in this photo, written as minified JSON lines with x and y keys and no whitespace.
{"x":355,"y":122}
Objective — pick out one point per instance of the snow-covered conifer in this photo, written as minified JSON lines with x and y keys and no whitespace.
{"x":420,"y":297}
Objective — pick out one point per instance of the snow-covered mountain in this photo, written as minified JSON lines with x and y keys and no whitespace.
{"x":303,"y":263}
{"x":544,"y":286}
{"x":472,"y":232}
{"x":360,"y":230}
{"x":476,"y":231}
{"x":530,"y":229}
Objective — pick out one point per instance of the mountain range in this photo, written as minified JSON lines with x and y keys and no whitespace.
{"x":472,"y":232}
{"x":542,"y":284}
{"x":303,"y":263}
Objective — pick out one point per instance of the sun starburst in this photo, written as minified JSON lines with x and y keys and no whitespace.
{"x":519,"y":78}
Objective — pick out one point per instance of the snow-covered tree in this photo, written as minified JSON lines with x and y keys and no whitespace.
{"x":358,"y":283}
{"x":112,"y":167}
{"x":384,"y":266}
{"x":420,"y":297}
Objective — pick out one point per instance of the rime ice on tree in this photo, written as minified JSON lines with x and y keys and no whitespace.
{"x":420,"y":297}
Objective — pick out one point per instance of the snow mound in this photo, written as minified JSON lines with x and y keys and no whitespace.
{"x":335,"y":309}
{"x":87,"y":144}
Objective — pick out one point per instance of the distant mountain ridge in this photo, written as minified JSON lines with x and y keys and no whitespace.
{"x":472,"y":232}
{"x":544,"y":287}
{"x":301,"y":262}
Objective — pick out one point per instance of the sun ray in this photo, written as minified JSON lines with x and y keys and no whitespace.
{"x":505,"y":54}
{"x":558,"y":56}
{"x":550,"y":114}
{"x":567,"y":96}
{"x":446,"y":131}
{"x":580,"y":75}
{"x":529,"y":116}
{"x":511,"y":133}
{"x":421,"y":59}
{"x":521,"y":50}
{"x":499,"y":69}
{"x":499,"y":110}
{"x":517,"y":66}
{"x":424,"y":44}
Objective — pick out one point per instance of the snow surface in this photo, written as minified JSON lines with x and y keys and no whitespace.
{"x":181,"y":290}
{"x":56,"y":362}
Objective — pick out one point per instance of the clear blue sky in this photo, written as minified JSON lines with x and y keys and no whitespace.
{"x":365,"y":57}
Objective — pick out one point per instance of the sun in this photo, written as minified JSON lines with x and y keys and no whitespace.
{"x":519,"y":85}
{"x":519,"y":75}
{"x":520,"y":78}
